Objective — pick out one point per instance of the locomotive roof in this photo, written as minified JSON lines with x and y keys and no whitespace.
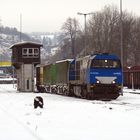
{"x":105,"y":56}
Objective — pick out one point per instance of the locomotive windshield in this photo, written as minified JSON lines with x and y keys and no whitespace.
{"x":104,"y":63}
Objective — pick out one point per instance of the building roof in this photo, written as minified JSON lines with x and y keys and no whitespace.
{"x":25,"y":43}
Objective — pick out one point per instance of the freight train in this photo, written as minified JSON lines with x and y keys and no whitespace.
{"x":97,"y":76}
{"x":132,"y":77}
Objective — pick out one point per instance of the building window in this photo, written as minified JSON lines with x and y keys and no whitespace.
{"x":36,"y":52}
{"x":30,"y":52}
{"x":24,"y":51}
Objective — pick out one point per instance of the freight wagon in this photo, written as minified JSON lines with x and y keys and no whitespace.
{"x":132,"y":77}
{"x":55,"y":77}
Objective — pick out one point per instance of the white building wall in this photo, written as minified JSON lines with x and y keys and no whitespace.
{"x":25,"y":76}
{"x":19,"y":76}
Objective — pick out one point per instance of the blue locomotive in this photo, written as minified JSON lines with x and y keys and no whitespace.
{"x":97,"y":76}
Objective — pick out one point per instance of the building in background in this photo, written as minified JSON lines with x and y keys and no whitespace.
{"x":25,"y":56}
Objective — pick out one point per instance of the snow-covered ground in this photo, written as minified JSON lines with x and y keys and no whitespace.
{"x":67,"y":118}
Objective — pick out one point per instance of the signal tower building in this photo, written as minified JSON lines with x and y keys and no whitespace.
{"x":25,"y":56}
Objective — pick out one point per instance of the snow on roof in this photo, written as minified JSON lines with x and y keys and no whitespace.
{"x":24,"y":43}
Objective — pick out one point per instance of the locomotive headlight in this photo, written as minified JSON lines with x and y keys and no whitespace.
{"x":113,"y":82}
{"x":97,"y":81}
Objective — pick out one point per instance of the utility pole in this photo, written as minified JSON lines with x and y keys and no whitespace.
{"x":20,"y":28}
{"x":121,"y":39}
{"x":85,"y":36}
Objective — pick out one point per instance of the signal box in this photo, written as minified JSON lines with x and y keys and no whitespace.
{"x":25,"y":56}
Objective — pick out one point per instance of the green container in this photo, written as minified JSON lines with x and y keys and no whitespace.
{"x":46,"y":74}
{"x":62,"y":72}
{"x":53,"y":74}
{"x":49,"y":74}
{"x":56,"y":73}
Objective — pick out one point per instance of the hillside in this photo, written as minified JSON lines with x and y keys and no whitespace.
{"x":51,"y":44}
{"x":9,"y":36}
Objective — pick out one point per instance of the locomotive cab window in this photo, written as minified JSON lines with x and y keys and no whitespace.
{"x":99,"y":63}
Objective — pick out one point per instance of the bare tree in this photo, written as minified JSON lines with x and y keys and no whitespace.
{"x":134,"y":48}
{"x":128,"y":23}
{"x":103,"y":35}
{"x":71,"y":28}
{"x":102,"y":29}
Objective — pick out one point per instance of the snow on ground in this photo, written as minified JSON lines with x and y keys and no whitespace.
{"x":67,"y":118}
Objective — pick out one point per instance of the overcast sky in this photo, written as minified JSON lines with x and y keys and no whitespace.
{"x":49,"y":15}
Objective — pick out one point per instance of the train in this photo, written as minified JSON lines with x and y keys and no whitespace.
{"x":132,"y":77}
{"x":96,"y":76}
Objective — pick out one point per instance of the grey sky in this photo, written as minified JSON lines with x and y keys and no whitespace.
{"x":49,"y":15}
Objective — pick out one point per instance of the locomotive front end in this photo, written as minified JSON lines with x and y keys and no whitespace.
{"x":104,"y":76}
